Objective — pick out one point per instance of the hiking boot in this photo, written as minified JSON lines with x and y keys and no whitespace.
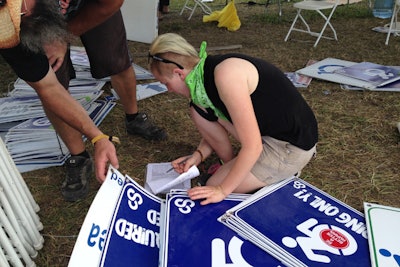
{"x":78,"y":172}
{"x":142,"y":126}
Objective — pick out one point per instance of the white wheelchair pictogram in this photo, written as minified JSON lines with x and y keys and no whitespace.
{"x":322,"y":237}
{"x":377,"y":72}
{"x":218,"y":257}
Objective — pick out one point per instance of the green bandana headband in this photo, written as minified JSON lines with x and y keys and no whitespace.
{"x":195,"y":81}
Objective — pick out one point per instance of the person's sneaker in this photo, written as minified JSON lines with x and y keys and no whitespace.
{"x":142,"y":126}
{"x":78,"y":172}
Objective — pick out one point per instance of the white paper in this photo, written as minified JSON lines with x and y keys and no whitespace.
{"x":159,"y":178}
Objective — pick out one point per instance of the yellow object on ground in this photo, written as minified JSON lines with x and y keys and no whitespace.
{"x":227,"y":17}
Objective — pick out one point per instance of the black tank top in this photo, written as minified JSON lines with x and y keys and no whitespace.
{"x":281,"y":111}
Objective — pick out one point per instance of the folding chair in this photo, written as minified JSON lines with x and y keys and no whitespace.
{"x":202,"y":3}
{"x":318,"y":6}
{"x":394,"y":25}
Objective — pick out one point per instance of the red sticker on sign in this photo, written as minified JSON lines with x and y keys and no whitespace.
{"x":334,"y":238}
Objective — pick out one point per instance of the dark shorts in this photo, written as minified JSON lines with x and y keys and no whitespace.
{"x":106,"y":47}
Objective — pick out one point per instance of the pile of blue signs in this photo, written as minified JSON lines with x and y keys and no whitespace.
{"x":288,"y":224}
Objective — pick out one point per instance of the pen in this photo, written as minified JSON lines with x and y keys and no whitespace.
{"x":179,"y":163}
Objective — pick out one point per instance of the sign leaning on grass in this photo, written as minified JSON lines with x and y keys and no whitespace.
{"x":302,"y":226}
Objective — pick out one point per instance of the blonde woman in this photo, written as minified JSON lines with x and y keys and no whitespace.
{"x":240,"y":96}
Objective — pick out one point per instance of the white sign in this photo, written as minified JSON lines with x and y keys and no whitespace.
{"x":141,"y":20}
{"x":383,"y":234}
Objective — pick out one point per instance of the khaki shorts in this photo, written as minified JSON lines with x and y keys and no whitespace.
{"x":280,"y":160}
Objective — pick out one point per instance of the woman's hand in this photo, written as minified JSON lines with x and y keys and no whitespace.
{"x":183,"y":164}
{"x":210,"y":194}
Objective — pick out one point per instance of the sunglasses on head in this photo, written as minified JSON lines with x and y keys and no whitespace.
{"x":167,"y":61}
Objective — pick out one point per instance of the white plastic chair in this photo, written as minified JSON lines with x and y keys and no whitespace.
{"x":318,"y":6}
{"x":394,"y":25}
{"x":201,"y":3}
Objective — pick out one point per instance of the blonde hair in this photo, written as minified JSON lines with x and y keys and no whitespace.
{"x":174,"y":47}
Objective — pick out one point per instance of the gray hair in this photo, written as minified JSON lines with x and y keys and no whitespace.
{"x":45,"y":25}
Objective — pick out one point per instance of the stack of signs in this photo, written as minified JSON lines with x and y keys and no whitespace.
{"x":301,"y":226}
{"x":127,"y":226}
{"x":34,"y":144}
{"x":330,"y":69}
{"x":192,"y":236}
{"x":76,"y":86}
{"x":383,"y":234}
{"x":121,"y":227}
{"x":26,"y":107}
{"x":133,"y":236}
{"x":288,"y":224}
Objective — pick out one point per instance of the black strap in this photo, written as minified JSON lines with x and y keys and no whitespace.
{"x":208,"y":114}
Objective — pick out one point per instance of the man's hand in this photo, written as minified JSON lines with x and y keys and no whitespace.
{"x":104,"y":153}
{"x":55,"y":53}
{"x":64,"y":4}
